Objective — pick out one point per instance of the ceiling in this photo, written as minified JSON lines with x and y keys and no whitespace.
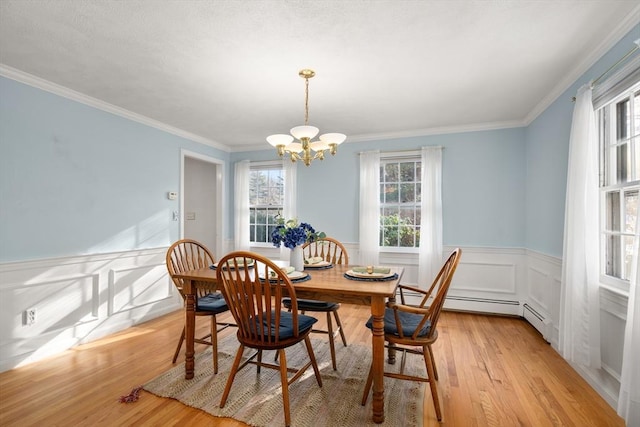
{"x":226,"y":72}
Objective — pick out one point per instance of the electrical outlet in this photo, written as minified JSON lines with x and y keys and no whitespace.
{"x":29,"y":316}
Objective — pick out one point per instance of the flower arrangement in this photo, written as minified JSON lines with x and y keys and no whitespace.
{"x":292,"y":234}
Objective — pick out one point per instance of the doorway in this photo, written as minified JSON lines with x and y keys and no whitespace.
{"x":201,"y":200}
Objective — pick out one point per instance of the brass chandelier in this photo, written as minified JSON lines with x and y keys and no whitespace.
{"x":306,"y":150}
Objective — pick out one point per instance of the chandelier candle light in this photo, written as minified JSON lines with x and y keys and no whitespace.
{"x":303,"y":150}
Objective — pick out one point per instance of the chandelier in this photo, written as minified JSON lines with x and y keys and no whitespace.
{"x":306,"y":150}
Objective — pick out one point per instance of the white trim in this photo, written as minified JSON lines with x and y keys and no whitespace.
{"x":220,"y":194}
{"x":266,"y":164}
{"x":544,"y":257}
{"x":11,"y":266}
{"x":39,"y":83}
{"x":445,"y":130}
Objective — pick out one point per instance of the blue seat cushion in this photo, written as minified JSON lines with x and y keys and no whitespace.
{"x":286,"y":324}
{"x":311,"y":305}
{"x":409,"y":322}
{"x":212,"y":302}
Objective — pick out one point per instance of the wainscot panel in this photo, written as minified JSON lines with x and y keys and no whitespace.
{"x":50,"y":305}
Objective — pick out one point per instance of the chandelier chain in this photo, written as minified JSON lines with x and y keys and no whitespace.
{"x":306,"y":101}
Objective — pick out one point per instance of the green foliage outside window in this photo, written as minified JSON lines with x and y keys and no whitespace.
{"x":400,"y":197}
{"x":398,"y":232}
{"x":266,"y":195}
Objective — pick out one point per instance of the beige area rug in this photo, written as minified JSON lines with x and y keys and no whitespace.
{"x":256,"y":398}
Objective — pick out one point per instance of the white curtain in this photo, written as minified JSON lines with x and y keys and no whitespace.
{"x":241,"y":206}
{"x":289,"y":210}
{"x":629,"y":398}
{"x":580,"y":298}
{"x":369,"y":207}
{"x":430,"y":255}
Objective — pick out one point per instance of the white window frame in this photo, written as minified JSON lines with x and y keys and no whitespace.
{"x":413,"y":156}
{"x":264,"y":165}
{"x":609,"y":185}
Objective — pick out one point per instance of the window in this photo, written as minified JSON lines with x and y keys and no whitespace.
{"x":619,"y":133}
{"x":400,"y":192}
{"x":266,"y":198}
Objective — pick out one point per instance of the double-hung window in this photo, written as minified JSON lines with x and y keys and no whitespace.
{"x":618,"y":125}
{"x":400,"y":197}
{"x":266,"y":199}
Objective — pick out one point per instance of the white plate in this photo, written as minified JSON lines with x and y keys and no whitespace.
{"x":317,"y":264}
{"x":370,"y":276}
{"x":297,"y":275}
{"x":293,"y":275}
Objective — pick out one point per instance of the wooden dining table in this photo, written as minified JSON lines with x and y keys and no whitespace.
{"x":325,"y":284}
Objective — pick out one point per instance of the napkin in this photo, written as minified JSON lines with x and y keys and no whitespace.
{"x":380,"y":270}
{"x":288,"y":270}
{"x":313,"y":260}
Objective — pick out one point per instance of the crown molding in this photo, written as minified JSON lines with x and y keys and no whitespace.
{"x":39,"y":83}
{"x":625,"y":26}
{"x":445,"y":130}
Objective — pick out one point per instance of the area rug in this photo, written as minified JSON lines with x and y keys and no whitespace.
{"x":256,"y":398}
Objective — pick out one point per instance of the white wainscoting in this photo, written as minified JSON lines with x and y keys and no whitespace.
{"x":79,"y":299}
{"x":542,"y":310}
{"x":82,"y":298}
{"x":542,"y":302}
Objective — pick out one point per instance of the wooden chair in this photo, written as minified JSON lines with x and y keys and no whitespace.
{"x":263,"y":324}
{"x":331,"y":250}
{"x":186,"y":255}
{"x":412,"y":329}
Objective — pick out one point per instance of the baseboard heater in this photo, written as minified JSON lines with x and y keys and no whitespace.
{"x":528,"y":308}
{"x":536,"y":320}
{"x":483,"y":300}
{"x":469,"y":299}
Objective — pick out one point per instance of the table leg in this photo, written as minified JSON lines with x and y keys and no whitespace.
{"x":377,"y":311}
{"x":189,"y":290}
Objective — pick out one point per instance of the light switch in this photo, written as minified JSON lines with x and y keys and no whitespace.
{"x":172,"y":195}
{"x":190,"y":216}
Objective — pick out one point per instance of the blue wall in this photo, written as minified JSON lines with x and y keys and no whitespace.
{"x":483,"y":187}
{"x":77,"y":180}
{"x":547,"y":151}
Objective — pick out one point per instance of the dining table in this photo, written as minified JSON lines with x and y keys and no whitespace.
{"x":327,"y":284}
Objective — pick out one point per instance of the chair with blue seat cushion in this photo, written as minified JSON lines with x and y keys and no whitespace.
{"x":412,"y":329}
{"x":185,"y":255}
{"x":334,"y":252}
{"x":262,"y":320}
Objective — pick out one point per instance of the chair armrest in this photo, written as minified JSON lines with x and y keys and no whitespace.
{"x":413,"y":289}
{"x":408,"y":308}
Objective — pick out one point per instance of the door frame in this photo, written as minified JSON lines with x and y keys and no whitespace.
{"x":220,"y":196}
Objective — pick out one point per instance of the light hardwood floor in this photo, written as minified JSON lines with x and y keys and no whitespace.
{"x":494,"y":371}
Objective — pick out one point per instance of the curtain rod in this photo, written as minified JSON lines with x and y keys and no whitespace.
{"x":608,"y":70}
{"x":404,"y":151}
